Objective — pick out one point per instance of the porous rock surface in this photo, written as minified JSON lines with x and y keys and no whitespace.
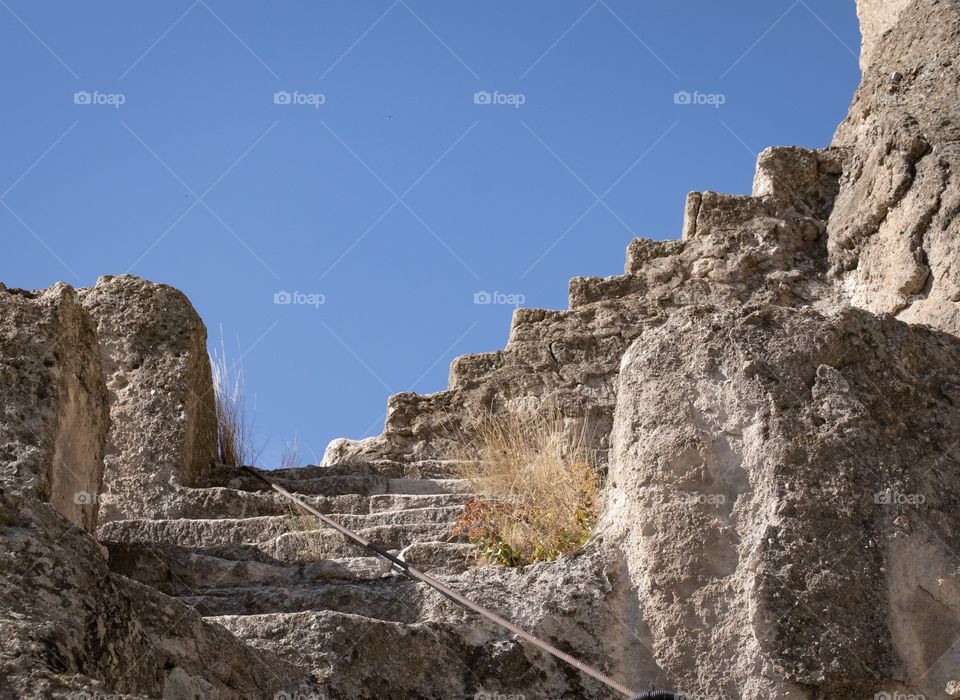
{"x":774,"y":397}
{"x":287,"y":586}
{"x":787,"y":488}
{"x":894,"y":234}
{"x":69,"y":626}
{"x":156,"y":368}
{"x":53,"y":410}
{"x":829,"y":569}
{"x":766,"y":248}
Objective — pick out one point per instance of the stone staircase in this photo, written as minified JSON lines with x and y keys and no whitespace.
{"x":769,"y":247}
{"x":242,"y":557}
{"x":255,"y":551}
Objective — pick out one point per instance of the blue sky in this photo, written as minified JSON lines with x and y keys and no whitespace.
{"x":391,"y":160}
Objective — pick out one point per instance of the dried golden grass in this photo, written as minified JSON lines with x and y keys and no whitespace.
{"x":538,"y":486}
{"x":234,"y":425}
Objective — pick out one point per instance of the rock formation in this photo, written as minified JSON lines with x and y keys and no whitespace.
{"x":775,"y":398}
{"x":877,"y":17}
{"x":69,"y":626}
{"x":54,"y":409}
{"x":156,"y":368}
{"x":894,"y":231}
{"x":786,"y":486}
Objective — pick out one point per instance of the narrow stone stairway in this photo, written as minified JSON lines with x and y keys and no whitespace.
{"x":262,"y":556}
{"x":245,"y":558}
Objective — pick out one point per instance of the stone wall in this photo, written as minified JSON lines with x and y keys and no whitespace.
{"x":877,"y":17}
{"x":53,"y":405}
{"x":157,"y":371}
{"x":785,"y":488}
{"x":70,"y":629}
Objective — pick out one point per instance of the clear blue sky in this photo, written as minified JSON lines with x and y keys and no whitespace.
{"x":380,"y":186}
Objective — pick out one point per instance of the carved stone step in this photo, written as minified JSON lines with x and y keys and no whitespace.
{"x":525,"y":322}
{"x":382,"y":662}
{"x":589,"y":290}
{"x":805,"y":179}
{"x":642,"y":251}
{"x":271,"y":533}
{"x":395,"y":598}
{"x":224,"y":502}
{"x":391,"y":501}
{"x":712,"y":213}
{"x":176,"y":570}
{"x":468,"y":371}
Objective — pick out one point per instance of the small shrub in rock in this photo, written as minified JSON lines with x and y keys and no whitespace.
{"x":538,"y":488}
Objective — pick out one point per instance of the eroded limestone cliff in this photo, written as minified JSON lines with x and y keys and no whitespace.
{"x":775,"y":396}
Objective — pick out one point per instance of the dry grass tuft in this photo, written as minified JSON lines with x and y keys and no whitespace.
{"x":539,"y":488}
{"x":290,"y":455}
{"x":234,"y":425}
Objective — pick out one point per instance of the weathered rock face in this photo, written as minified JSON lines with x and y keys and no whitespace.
{"x":783,"y":495}
{"x":895,"y":230}
{"x":787,"y":488}
{"x":67,"y":625}
{"x":782,"y":472}
{"x":53,"y":406}
{"x":877,"y":17}
{"x":872,"y":222}
{"x":156,"y":367}
{"x":769,"y":247}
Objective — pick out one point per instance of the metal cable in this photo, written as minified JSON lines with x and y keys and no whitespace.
{"x":415,"y":573}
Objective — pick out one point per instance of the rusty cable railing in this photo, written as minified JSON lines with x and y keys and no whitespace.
{"x":461,"y":600}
